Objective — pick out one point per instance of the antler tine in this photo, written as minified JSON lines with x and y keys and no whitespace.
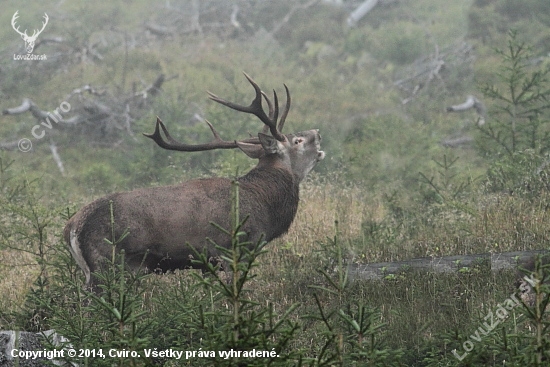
{"x":285,"y":111}
{"x":170,"y":143}
{"x":256,"y":108}
{"x":269,"y":104}
{"x":273,"y":111}
{"x":265,"y":129}
{"x":276,"y":107}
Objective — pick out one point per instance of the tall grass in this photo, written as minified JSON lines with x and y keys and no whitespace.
{"x":413,"y":318}
{"x":294,"y":294}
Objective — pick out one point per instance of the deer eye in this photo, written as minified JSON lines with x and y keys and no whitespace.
{"x":298,"y":141}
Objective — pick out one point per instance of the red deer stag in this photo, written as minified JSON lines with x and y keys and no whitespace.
{"x":160,"y":221}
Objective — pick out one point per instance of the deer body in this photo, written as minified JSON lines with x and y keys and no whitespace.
{"x":161,"y":221}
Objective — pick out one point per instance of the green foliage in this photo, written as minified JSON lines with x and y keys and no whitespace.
{"x":351,"y":322}
{"x":26,"y":230}
{"x":342,"y":82}
{"x":110,"y":317}
{"x":100,"y":175}
{"x":536,"y":350}
{"x":526,"y":9}
{"x":520,"y":118}
{"x":446,"y":189}
{"x":244,"y":324}
{"x":351,"y":333}
{"x":399,"y":43}
{"x":368,"y":156}
{"x":517,"y":134}
{"x":512,"y":333}
{"x":524,"y":173}
{"x":489,"y":20}
{"x":323,"y":25}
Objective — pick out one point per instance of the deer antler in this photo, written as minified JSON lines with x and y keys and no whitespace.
{"x":254,"y":108}
{"x":172,"y":144}
{"x":257,"y":110}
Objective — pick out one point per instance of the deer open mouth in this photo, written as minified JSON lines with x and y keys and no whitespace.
{"x":320,"y":153}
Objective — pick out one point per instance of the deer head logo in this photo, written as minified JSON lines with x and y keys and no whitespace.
{"x":29,"y":40}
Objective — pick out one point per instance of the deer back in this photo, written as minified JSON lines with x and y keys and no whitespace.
{"x":162,"y":223}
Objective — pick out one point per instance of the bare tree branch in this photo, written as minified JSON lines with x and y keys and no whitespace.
{"x":24,"y":107}
{"x":11,"y":145}
{"x":96,"y":113}
{"x":457,"y":142}
{"x":361,"y":11}
{"x":195,"y":20}
{"x":289,"y":15}
{"x":158,"y":30}
{"x":57,"y":158}
{"x":86,"y":88}
{"x":43,"y":41}
{"x":471,"y":102}
{"x":420,"y":74}
{"x":233,"y":18}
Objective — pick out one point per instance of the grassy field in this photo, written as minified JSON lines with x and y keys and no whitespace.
{"x":389,"y":190}
{"x":419,"y":314}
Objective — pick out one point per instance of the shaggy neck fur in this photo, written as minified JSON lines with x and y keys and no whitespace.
{"x":279,"y":190}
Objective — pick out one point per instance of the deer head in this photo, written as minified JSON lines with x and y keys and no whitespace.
{"x":29,"y":40}
{"x":294,"y":148}
{"x":163,"y":221}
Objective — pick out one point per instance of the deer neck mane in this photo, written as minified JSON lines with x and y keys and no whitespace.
{"x":278,"y":191}
{"x":271,"y":180}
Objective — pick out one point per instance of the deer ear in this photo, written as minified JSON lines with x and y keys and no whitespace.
{"x":252,"y":150}
{"x":269,"y":143}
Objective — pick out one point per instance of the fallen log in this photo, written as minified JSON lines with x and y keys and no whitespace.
{"x":445,"y":264}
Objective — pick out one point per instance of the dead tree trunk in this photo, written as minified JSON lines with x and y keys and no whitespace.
{"x":361,"y":11}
